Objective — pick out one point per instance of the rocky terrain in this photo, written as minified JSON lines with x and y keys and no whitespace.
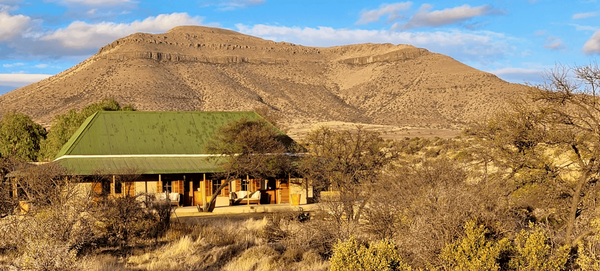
{"x":209,"y":69}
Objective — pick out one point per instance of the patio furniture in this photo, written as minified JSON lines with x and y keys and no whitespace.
{"x":175,"y":198}
{"x":241,"y":197}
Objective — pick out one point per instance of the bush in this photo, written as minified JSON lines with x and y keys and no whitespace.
{"x":474,"y":252}
{"x":351,"y":255}
{"x":589,"y":252}
{"x":120,"y":219}
{"x":533,"y":252}
{"x":51,"y":239}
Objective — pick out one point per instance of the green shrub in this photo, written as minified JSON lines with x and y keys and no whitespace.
{"x":533,"y":252}
{"x":589,"y":252}
{"x":474,"y":252}
{"x":350,"y":255}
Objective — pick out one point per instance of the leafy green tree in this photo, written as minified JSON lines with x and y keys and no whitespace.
{"x":20,"y":137}
{"x":249,"y":147}
{"x":65,"y":125}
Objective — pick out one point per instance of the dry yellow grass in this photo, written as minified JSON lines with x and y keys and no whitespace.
{"x":209,"y":247}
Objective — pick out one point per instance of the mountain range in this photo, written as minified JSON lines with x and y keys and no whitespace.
{"x":211,"y":69}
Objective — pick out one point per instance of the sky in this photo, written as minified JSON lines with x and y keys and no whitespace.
{"x":518,"y":40}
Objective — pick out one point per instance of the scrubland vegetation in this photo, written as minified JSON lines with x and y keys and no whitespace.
{"x":516,"y":192}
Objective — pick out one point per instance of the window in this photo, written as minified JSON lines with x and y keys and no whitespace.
{"x":105,"y":187}
{"x":215,"y":185}
{"x":118,"y":187}
{"x":271,"y":184}
{"x":244,"y":185}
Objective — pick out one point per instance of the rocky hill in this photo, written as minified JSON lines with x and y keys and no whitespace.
{"x":202,"y":68}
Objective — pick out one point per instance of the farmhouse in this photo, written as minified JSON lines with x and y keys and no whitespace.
{"x":166,"y":150}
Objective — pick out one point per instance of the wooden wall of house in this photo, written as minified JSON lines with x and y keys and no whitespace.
{"x":283,"y":191}
{"x":224,"y":191}
{"x":143,"y":186}
{"x":253,"y":185}
{"x":127,"y":189}
{"x":208,"y":188}
{"x":97,"y":187}
{"x":298,"y":187}
{"x":177,"y":186}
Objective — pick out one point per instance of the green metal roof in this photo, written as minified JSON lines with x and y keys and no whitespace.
{"x":145,"y":165}
{"x":150,"y":142}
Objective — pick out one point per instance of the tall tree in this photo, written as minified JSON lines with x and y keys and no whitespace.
{"x":552,"y":145}
{"x":20,"y":137}
{"x":249,"y":147}
{"x":65,"y":125}
{"x":349,"y":162}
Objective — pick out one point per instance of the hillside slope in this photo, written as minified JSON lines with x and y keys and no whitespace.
{"x":206,"y":69}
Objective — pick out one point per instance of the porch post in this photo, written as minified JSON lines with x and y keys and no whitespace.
{"x":112,"y":190}
{"x":278,"y":191}
{"x":248,"y":188}
{"x":191,"y":191}
{"x":203,"y":189}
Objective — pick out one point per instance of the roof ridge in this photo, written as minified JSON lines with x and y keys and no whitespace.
{"x":72,"y":142}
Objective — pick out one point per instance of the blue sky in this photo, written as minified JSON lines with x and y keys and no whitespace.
{"x":514,"y":39}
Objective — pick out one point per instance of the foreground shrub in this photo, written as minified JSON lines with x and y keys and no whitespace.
{"x":589,"y":252}
{"x":474,"y":252}
{"x":118,"y":220}
{"x":46,"y":254}
{"x":533,"y":252}
{"x":351,"y":255}
{"x":51,"y":238}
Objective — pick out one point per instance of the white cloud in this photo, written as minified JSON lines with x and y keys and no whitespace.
{"x":426,"y":17}
{"x":592,"y":46}
{"x":585,"y":15}
{"x":20,"y":79}
{"x":391,"y":10}
{"x":11,"y":26}
{"x":480,"y":46}
{"x":41,"y":66}
{"x":584,"y":27}
{"x":231,"y":4}
{"x":81,"y":35}
{"x":554,"y":43}
{"x":10,"y":2}
{"x":13,"y":65}
{"x":540,"y":33}
{"x":519,"y":75}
